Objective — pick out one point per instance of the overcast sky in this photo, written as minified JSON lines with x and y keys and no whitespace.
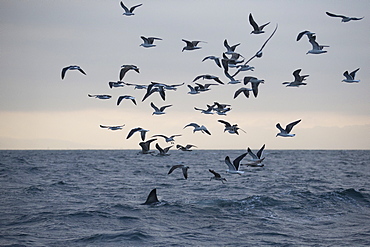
{"x":39,"y":110}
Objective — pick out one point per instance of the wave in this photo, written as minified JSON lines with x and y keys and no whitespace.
{"x":130,"y":235}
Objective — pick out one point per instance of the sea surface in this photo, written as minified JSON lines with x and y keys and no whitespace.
{"x":94,"y":197}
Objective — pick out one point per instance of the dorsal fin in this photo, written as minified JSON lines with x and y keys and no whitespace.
{"x":152,"y":197}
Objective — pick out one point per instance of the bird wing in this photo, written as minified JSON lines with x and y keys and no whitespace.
{"x":173,"y":168}
{"x":252,"y":154}
{"x":159,"y":148}
{"x":296,"y":75}
{"x":255,"y":88}
{"x":227,"y":124}
{"x":335,"y":15}
{"x":205,"y":130}
{"x":164,"y":107}
{"x":252,"y":22}
{"x":64,"y":70}
{"x":154,"y":106}
{"x":353,"y":73}
{"x":279,"y":127}
{"x":146,"y":40}
{"x":124,"y":7}
{"x":132,"y":131}
{"x":120,"y":98}
{"x":346,"y":74}
{"x":83,"y":72}
{"x":195,"y":125}
{"x":259,"y":153}
{"x":290,"y":126}
{"x":188,"y":43}
{"x":185,"y":172}
{"x":134,"y":7}
{"x":229,"y":164}
{"x":238,"y":159}
{"x":103,"y":126}
{"x":217,"y":175}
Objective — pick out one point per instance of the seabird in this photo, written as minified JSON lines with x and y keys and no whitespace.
{"x":256,"y":29}
{"x":197,"y":127}
{"x":120,"y":98}
{"x":125,"y":68}
{"x":137,"y":86}
{"x":230,"y":49}
{"x":350,"y":78}
{"x":234,"y":167}
{"x":257,"y":163}
{"x":256,"y":157}
{"x":166,"y":86}
{"x":298,"y":79}
{"x":255,"y":83}
{"x":100,"y":96}
{"x":152,"y":89}
{"x":167,"y":139}
{"x":72,"y":67}
{"x":316,"y":48}
{"x":145,"y":146}
{"x":208,"y":77}
{"x":129,"y":12}
{"x":214,"y":58}
{"x":191,"y":45}
{"x":148,"y":41}
{"x":138,"y":129}
{"x":243,"y":90}
{"x":216,"y":176}
{"x":231,"y":78}
{"x":186,"y":148}
{"x":345,"y":18}
{"x":193,"y":90}
{"x":113,"y":84}
{"x":117,"y":127}
{"x":162,"y":151}
{"x":184,"y":169}
{"x":232,"y":129}
{"x":231,"y":61}
{"x":208,"y":111}
{"x":286,"y":132}
{"x":159,"y":111}
{"x":152,"y":198}
{"x":202,"y":88}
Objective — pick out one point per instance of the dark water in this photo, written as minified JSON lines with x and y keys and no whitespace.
{"x":92,"y":198}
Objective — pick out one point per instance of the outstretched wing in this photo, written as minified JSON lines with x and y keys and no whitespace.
{"x":290,"y":126}
{"x":259,"y":153}
{"x":238,"y":159}
{"x":335,"y":15}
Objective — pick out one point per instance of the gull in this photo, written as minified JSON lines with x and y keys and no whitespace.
{"x":186,"y":148}
{"x":145,"y":146}
{"x":191,"y":45}
{"x":137,"y":86}
{"x":232,"y":129}
{"x":230,"y":49}
{"x":214,"y":58}
{"x":350,"y":78}
{"x":231,"y":78}
{"x":208,"y":77}
{"x":167,"y":87}
{"x":152,"y":89}
{"x":193,"y":90}
{"x":308,"y":33}
{"x":316,"y":48}
{"x":208,"y":111}
{"x":148,"y":41}
{"x":243,"y":90}
{"x":100,"y":96}
{"x":231,"y":61}
{"x":298,"y":79}
{"x":286,"y":132}
{"x":184,"y":169}
{"x":222,"y":111}
{"x":256,"y":157}
{"x":72,"y":67}
{"x":117,"y":127}
{"x":152,"y":198}
{"x":255,"y":83}
{"x":203,"y":88}
{"x":234,"y":167}
{"x":125,"y":68}
{"x":162,"y":151}
{"x":259,"y":52}
{"x":113,"y":84}
{"x":257,"y":163}
{"x":345,"y":18}
{"x":129,"y":12}
{"x":159,"y":111}
{"x":138,"y":129}
{"x":256,"y":29}
{"x":216,"y":176}
{"x":168,"y":139}
{"x":120,"y":98}
{"x":197,"y":127}
{"x":219,"y":107}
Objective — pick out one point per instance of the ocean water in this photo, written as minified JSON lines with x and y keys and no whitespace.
{"x":93,"y":198}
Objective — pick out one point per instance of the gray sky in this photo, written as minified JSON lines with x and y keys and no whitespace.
{"x":39,"y":38}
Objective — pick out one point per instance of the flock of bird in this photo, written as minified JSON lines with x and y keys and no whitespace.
{"x":230,"y":60}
